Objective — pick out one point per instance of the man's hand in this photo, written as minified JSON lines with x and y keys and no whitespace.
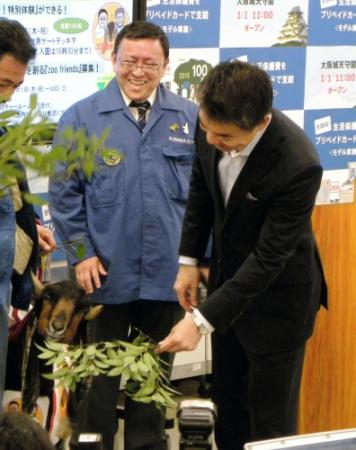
{"x":204,"y":271}
{"x":186,"y":286}
{"x":46,"y":240}
{"x":184,"y":336}
{"x":88,"y":273}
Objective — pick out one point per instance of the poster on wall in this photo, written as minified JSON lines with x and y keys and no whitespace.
{"x":330,"y":78}
{"x":286,"y":68}
{"x":280,"y":23}
{"x":332,"y":22}
{"x":193,"y":23}
{"x":74,"y":41}
{"x":184,"y":74}
{"x":333,"y":132}
{"x":306,"y":46}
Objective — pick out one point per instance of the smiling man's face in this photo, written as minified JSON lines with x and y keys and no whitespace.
{"x":137,"y":82}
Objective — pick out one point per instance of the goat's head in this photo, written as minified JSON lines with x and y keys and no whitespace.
{"x":63,"y":305}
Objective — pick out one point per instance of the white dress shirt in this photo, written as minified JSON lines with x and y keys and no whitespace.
{"x":134,"y":111}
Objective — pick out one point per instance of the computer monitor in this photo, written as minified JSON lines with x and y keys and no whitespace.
{"x":332,"y":440}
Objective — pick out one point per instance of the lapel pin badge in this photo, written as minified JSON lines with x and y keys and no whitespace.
{"x":174,"y":127}
{"x":112,"y":158}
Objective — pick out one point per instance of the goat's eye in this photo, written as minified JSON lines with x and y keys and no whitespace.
{"x":47,"y":297}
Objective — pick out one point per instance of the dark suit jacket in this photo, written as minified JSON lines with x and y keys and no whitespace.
{"x":266,"y":279}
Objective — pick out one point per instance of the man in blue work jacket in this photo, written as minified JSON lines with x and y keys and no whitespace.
{"x":129,"y":214}
{"x":16,"y":51}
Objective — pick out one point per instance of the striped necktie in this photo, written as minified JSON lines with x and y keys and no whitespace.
{"x":142,"y":108}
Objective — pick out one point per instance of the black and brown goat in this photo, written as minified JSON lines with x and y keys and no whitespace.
{"x":61,"y":307}
{"x":60,"y":313}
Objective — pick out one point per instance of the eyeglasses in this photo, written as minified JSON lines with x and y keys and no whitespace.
{"x":130,"y":65}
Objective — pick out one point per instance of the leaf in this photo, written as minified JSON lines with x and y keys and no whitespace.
{"x":101,"y":365}
{"x":142,"y":366}
{"x":78,"y":352}
{"x":43,"y":349}
{"x":80,"y":251}
{"x":34,"y":199}
{"x":79,"y":368}
{"x":158,"y":397}
{"x":56,"y":346}
{"x":128,"y":345}
{"x":115,"y":372}
{"x":7,"y":115}
{"x":111,"y":353}
{"x":148,"y":360}
{"x":90,"y":351}
{"x":128,"y":360}
{"x":114,"y":362}
{"x":146,"y":389}
{"x":133,"y":368}
{"x":67,"y":380}
{"x":48,"y":376}
{"x":73,"y":385}
{"x":46,"y":354}
{"x":126,"y":373}
{"x":61,"y":372}
{"x":33,"y":101}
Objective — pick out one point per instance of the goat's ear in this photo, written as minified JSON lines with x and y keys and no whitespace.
{"x":93,"y":312}
{"x":37,"y":286}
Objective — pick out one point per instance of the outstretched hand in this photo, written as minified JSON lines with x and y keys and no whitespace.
{"x":184,"y":336}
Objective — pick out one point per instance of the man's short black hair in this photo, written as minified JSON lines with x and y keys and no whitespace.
{"x":15,"y":41}
{"x":18,"y":431}
{"x":140,"y":29}
{"x":236,"y":92}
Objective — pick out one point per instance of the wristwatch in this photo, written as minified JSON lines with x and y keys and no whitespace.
{"x":199,"y":323}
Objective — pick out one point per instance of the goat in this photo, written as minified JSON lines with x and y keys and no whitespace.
{"x":59,"y":314}
{"x":63,"y":305}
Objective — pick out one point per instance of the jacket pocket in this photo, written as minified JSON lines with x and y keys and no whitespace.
{"x":177,"y":177}
{"x":106,"y":188}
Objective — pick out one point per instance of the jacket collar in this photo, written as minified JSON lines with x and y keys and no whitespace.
{"x":259,"y":163}
{"x":110,"y":99}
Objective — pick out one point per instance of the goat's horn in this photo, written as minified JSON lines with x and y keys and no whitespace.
{"x":37,"y":286}
{"x":93,"y":312}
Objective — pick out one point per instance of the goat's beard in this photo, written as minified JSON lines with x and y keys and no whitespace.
{"x":53,"y":334}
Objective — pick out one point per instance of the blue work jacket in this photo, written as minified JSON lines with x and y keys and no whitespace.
{"x":130,"y":212}
{"x":7,"y":245}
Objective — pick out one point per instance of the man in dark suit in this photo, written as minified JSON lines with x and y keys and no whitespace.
{"x":254,"y":183}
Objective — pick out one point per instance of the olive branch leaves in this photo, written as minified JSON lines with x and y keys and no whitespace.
{"x":25,"y":139}
{"x":137,"y":362}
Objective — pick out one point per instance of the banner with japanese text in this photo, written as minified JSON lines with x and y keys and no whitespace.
{"x":306,"y":46}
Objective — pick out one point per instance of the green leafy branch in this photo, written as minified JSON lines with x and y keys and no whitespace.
{"x":26,"y":139}
{"x":137,"y":362}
